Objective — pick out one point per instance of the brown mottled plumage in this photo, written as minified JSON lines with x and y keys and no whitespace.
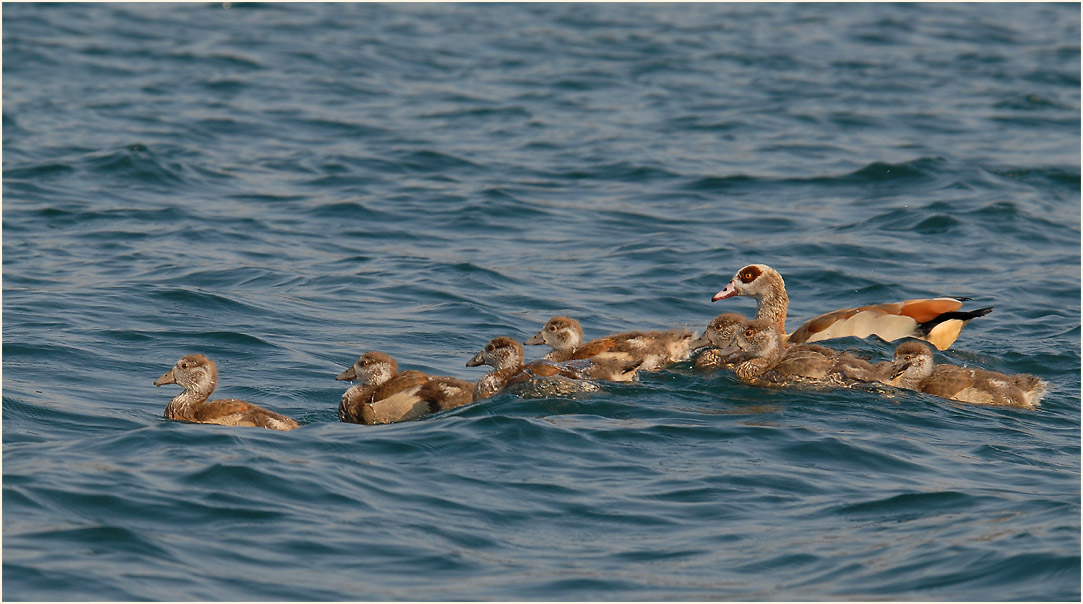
{"x":772,"y":362}
{"x":721,"y":337}
{"x":505,"y":355}
{"x":445,"y":393}
{"x":652,"y":350}
{"x":384,"y":395}
{"x":198,"y":375}
{"x":914,"y":368}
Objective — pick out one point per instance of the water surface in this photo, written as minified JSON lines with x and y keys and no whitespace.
{"x":282,"y":187}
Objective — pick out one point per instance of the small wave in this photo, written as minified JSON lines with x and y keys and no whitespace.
{"x":136,"y":162}
{"x":910,"y":506}
{"x":434,"y":161}
{"x":39,"y":581}
{"x":355,"y":210}
{"x":119,"y":539}
{"x":340,"y":128}
{"x":929,"y":220}
{"x":484,"y":113}
{"x":1030,"y":102}
{"x":917,"y":169}
{"x":938,"y":225}
{"x":1058,"y":176}
{"x":218,"y":60}
{"x":724,"y":183}
{"x":615,"y":171}
{"x":36,"y":172}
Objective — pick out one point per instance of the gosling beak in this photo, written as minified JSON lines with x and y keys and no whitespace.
{"x":535,"y":339}
{"x":347,"y":376}
{"x":477,"y":360}
{"x":732,"y":349}
{"x":699,"y":342}
{"x":727,"y":292}
{"x":167,"y":378}
{"x":898,"y":373}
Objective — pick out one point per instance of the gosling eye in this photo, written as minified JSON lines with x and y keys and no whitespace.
{"x":552,"y":328}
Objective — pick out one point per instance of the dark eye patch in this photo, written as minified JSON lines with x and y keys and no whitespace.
{"x":749,"y":274}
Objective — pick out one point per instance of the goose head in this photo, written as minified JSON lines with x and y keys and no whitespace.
{"x":756,"y":280}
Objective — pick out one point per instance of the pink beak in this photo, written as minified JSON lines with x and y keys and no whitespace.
{"x":727,"y":292}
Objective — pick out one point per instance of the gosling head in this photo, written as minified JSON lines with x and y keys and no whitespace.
{"x":562,"y":333}
{"x":721,"y":332}
{"x":499,"y":353}
{"x":760,"y":339}
{"x":371,"y":369}
{"x":913,"y":363}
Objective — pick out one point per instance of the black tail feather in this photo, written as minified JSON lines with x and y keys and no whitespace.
{"x":961,"y":315}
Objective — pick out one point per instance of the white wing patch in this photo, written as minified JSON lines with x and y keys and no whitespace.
{"x":869,"y":322}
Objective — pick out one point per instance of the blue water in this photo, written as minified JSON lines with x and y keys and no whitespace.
{"x":282,"y":187}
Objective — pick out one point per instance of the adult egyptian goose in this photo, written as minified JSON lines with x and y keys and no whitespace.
{"x":505,"y":356}
{"x":935,"y":320}
{"x":914,"y":368}
{"x":651,"y":349}
{"x":772,"y":362}
{"x":384,"y":395}
{"x":198,"y":375}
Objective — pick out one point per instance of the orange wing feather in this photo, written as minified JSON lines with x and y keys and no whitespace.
{"x":927,"y":310}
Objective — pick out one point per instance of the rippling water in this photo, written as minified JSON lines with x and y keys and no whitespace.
{"x":282,"y":187}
